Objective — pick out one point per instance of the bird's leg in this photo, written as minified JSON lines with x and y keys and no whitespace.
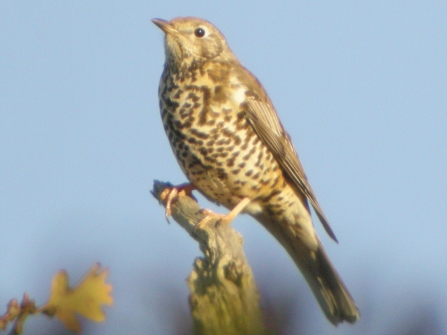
{"x":223,"y":218}
{"x":173,"y":192}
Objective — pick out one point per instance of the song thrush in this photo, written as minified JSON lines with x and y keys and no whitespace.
{"x":230,"y":144}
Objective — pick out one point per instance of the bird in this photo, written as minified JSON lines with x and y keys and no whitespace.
{"x":228,"y":140}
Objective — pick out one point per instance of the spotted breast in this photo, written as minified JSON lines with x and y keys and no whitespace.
{"x":217,"y":149}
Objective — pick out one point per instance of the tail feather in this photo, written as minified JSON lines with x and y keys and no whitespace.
{"x":324,"y":281}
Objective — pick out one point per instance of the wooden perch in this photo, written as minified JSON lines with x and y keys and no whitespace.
{"x":224,"y":298}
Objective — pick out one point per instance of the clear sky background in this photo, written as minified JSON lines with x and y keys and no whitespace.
{"x":361,"y":88}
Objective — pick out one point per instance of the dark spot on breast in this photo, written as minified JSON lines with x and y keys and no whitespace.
{"x":209,"y":159}
{"x":199,"y":134}
{"x":237,"y":140}
{"x":258,"y":162}
{"x":194,"y":76}
{"x":192,"y":96}
{"x":193,"y":162}
{"x":221,"y":142}
{"x":227,"y":133}
{"x":172,"y":105}
{"x":271,"y":195}
{"x":221,"y":174}
{"x":203,"y":114}
{"x":178,"y":124}
{"x":230,"y":162}
{"x":184,"y":113}
{"x":219,"y":94}
{"x":177,"y":94}
{"x":264,"y":181}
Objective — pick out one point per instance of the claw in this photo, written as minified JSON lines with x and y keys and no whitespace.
{"x":170,"y":194}
{"x":173,"y":193}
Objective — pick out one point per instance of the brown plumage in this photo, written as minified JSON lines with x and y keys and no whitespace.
{"x":230,"y":144}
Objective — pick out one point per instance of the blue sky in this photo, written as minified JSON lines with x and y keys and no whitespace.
{"x":360,"y":87}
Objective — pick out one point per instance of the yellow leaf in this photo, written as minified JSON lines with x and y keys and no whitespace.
{"x":84,"y":299}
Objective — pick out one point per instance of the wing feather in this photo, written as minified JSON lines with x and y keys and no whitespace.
{"x":264,"y":121}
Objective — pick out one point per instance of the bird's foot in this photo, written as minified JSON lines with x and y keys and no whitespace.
{"x":171,"y":193}
{"x":222,"y":218}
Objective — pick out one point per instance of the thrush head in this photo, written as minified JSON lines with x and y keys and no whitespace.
{"x":190,"y":40}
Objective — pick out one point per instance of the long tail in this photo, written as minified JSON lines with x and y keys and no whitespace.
{"x":326,"y":284}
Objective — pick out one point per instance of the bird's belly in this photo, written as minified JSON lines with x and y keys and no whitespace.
{"x":228,"y":168}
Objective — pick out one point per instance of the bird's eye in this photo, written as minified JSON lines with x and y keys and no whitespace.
{"x":199,"y":32}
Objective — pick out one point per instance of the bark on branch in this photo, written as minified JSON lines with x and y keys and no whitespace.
{"x":223,"y":294}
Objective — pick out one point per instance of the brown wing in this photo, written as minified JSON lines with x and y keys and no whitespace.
{"x":264,"y":120}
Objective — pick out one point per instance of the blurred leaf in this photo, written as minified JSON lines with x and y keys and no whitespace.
{"x":85,"y":299}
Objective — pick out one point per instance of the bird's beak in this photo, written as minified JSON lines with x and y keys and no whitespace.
{"x":165,"y":26}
